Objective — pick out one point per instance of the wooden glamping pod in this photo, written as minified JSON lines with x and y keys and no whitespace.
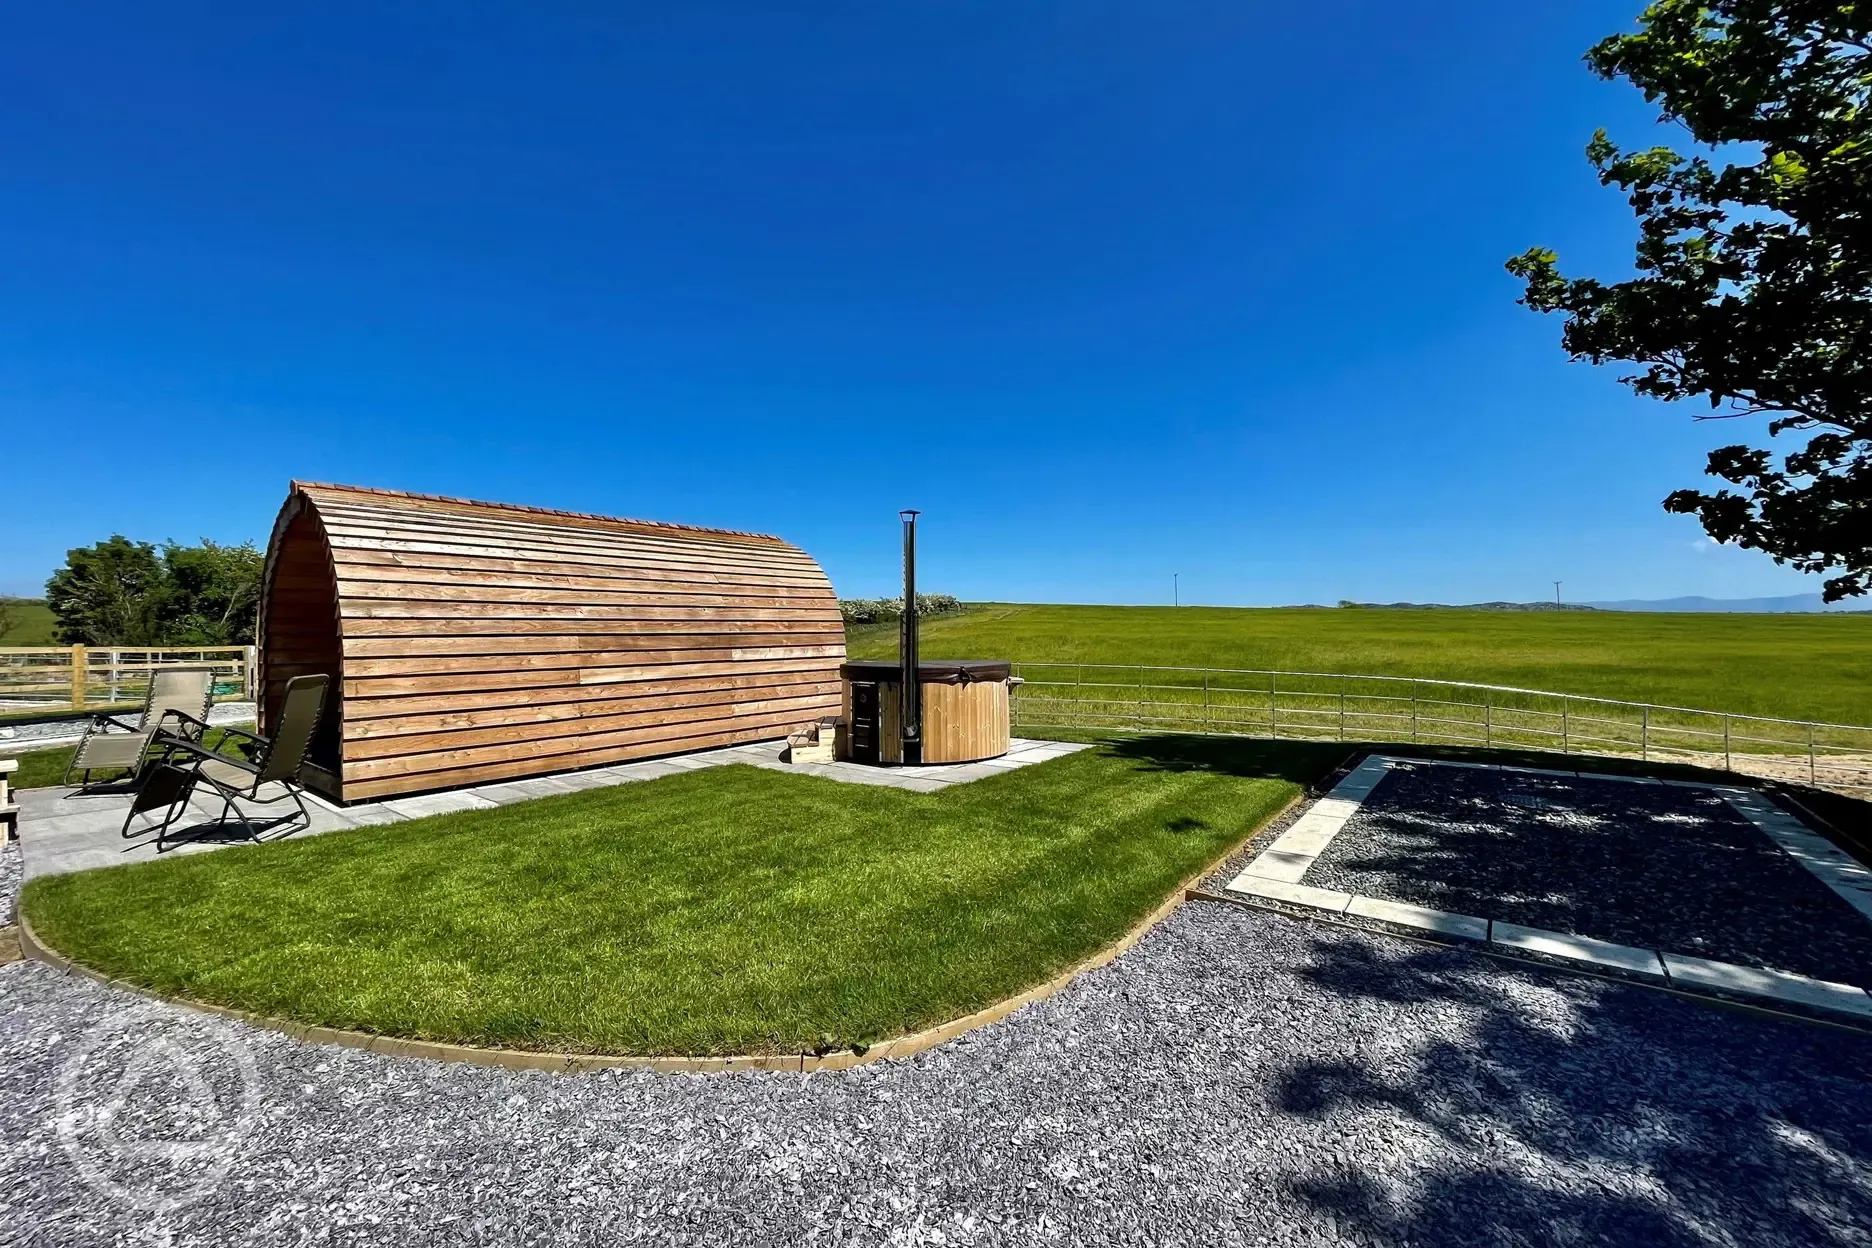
{"x":471,"y":642}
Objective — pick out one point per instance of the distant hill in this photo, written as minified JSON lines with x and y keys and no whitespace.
{"x":34,"y":626}
{"x":1471,"y":606}
{"x":1786,"y":604}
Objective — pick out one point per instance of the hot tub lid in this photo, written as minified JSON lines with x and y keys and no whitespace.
{"x":929,"y":671}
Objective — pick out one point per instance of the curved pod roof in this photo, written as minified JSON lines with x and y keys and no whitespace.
{"x":473,"y":642}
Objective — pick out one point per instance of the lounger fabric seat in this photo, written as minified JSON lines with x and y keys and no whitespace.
{"x":113,"y":744}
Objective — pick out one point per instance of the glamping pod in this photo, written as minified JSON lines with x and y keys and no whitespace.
{"x":473,"y":642}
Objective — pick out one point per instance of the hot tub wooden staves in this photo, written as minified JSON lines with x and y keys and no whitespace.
{"x":471,"y":642}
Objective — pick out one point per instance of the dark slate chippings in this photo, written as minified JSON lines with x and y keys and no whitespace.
{"x":1655,"y":866}
{"x":12,"y":869}
{"x":1238,"y":1077}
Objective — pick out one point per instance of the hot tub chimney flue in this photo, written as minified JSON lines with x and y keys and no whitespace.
{"x":912,"y":708}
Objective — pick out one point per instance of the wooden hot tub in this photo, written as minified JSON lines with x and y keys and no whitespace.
{"x":965,"y":710}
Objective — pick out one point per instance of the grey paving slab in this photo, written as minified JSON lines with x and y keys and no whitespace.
{"x":1849,"y":881}
{"x":1334,"y":807}
{"x":325,"y":820}
{"x":81,"y":823}
{"x":1307,"y":837}
{"x":1602,"y":775}
{"x":915,"y":784}
{"x":690,"y":762}
{"x":1330,"y":900}
{"x":373,"y":815}
{"x":1274,"y":864}
{"x":603,"y":778}
{"x":508,"y":794}
{"x":78,"y":858}
{"x":40,"y":803}
{"x":1601,"y":953}
{"x":1406,"y":915}
{"x":1774,"y":985}
{"x":437,"y":804}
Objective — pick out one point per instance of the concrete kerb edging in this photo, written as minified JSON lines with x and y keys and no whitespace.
{"x":579,"y":1063}
{"x":1309,"y":915}
{"x":1278,"y":890}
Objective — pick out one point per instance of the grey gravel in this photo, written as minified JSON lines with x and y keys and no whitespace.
{"x":1648,"y":865}
{"x":1237,"y":1077}
{"x":11,"y":870}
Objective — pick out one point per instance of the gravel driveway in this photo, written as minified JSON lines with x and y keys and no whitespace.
{"x":1237,"y":1077}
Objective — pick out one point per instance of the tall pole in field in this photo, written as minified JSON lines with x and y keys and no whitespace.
{"x":1556,"y":593}
{"x":911,"y":706}
{"x":1176,"y":589}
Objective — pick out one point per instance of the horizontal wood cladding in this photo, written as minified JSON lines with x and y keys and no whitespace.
{"x":518,"y":769}
{"x":537,"y":574}
{"x":588,"y":722}
{"x":571,"y":750}
{"x":357,"y":596}
{"x":480,"y":641}
{"x":366,"y":711}
{"x":385,"y":686}
{"x":639,"y":549}
{"x":674,"y":648}
{"x":368,"y":564}
{"x":551,"y":707}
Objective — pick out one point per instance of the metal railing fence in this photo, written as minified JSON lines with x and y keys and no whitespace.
{"x":55,"y":678}
{"x":1325,"y":706}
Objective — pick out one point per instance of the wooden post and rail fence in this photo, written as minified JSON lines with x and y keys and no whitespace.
{"x":80,"y":677}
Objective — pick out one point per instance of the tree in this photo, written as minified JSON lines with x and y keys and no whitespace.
{"x":1753,"y":288}
{"x":110,"y":594}
{"x":214,"y":594}
{"x":125,"y":593}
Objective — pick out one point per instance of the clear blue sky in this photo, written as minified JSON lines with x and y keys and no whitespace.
{"x":1109,"y":290}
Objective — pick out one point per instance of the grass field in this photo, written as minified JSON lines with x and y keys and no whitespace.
{"x":1796,"y":666}
{"x":727,"y":910}
{"x":34,"y":626}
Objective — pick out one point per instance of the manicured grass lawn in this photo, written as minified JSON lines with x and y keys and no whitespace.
{"x":38,"y":768}
{"x":1795,"y":666}
{"x":731,"y":910}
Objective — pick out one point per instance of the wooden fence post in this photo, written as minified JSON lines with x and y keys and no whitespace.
{"x":78,"y":661}
{"x":250,"y":664}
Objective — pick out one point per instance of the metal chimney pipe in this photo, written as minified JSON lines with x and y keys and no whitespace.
{"x":911,"y":707}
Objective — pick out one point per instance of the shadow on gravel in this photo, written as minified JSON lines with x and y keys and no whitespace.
{"x":1654,"y":866}
{"x":1311,"y":762}
{"x":1591,"y":1113}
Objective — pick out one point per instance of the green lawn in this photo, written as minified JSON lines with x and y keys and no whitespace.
{"x":732,"y":910}
{"x":1795,"y":666}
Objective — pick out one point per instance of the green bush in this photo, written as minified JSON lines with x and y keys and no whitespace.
{"x":878,"y":610}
